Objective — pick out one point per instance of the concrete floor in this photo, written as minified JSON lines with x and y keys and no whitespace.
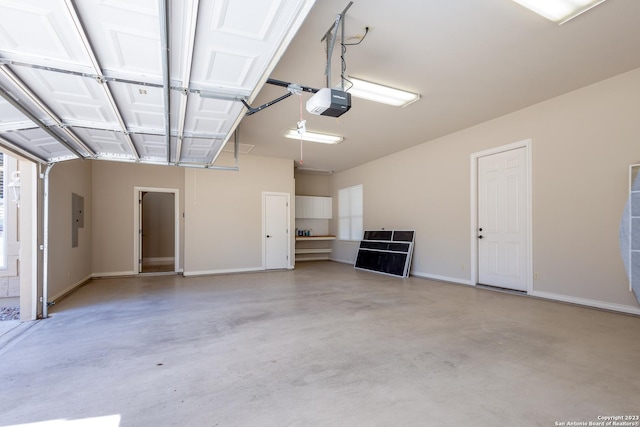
{"x":321,"y":345}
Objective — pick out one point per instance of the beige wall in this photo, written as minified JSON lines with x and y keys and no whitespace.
{"x":68,"y":266}
{"x":113,"y":206}
{"x":224,"y":209}
{"x":582,"y":145}
{"x":223,"y":230}
{"x":308,"y":184}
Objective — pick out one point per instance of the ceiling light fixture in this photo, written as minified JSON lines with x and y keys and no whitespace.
{"x":559,"y":11}
{"x":379,"y":93}
{"x":313,"y":137}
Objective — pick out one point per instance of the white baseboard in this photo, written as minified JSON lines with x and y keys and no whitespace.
{"x":227,"y":271}
{"x":546,"y":295}
{"x":441,"y":278}
{"x":587,"y":302}
{"x":69,"y":289}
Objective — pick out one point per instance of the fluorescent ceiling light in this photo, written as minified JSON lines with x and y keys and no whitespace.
{"x":379,"y":93}
{"x":559,"y":11}
{"x":313,"y":137}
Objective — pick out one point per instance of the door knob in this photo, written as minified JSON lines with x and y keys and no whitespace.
{"x":480,"y":237}
{"x":268,"y":236}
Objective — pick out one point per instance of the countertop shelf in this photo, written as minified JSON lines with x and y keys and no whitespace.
{"x":313,"y":248}
{"x":313,"y":251}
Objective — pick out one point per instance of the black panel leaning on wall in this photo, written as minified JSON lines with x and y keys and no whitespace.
{"x":386,"y":251}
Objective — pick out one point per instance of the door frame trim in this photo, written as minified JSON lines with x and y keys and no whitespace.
{"x":137,"y":224}
{"x":264,"y":227}
{"x":527,"y":145}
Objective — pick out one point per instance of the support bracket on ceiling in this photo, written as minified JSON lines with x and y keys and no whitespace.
{"x":330,"y":41}
{"x":291,"y":87}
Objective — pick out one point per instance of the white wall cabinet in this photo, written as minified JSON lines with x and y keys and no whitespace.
{"x":313,"y":207}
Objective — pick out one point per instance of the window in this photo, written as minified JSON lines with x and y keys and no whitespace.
{"x":9,"y":245}
{"x":350,"y":213}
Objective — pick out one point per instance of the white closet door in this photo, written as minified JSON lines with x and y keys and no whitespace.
{"x":503,"y":219}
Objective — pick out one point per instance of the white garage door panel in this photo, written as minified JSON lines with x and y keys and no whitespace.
{"x":234,"y":43}
{"x":6,"y":126}
{"x":145,"y":108}
{"x":105,"y":143}
{"x":40,"y":32}
{"x":69,"y":97}
{"x":131,"y":52}
{"x":210,"y":116}
{"x":40,"y":143}
{"x":217,"y":47}
{"x":125,"y":35}
{"x":205,"y":125}
{"x":214,"y":107}
{"x":248,"y":19}
{"x":224,"y":68}
{"x":194,"y":150}
{"x":11,"y":119}
{"x":150,"y":147}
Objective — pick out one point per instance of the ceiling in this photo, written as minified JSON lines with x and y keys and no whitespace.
{"x":117,"y":80}
{"x":470,"y":60}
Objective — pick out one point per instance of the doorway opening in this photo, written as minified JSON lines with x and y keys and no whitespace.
{"x":157,"y":231}
{"x":501,"y":218}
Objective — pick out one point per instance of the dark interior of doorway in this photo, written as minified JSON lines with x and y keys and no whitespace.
{"x":158,"y":232}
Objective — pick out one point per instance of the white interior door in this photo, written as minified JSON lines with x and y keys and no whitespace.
{"x":276,"y":236}
{"x":503,"y":219}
